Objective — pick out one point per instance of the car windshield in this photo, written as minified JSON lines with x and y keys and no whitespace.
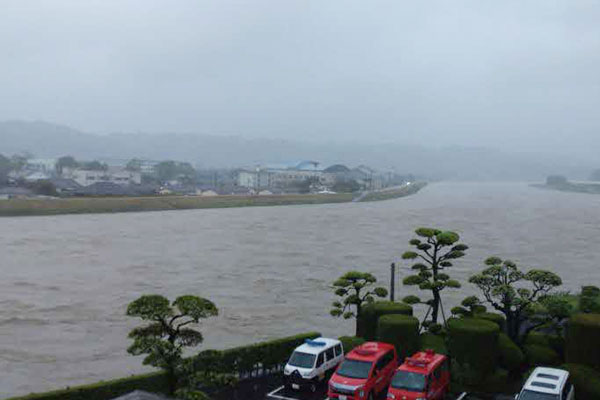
{"x":531,"y":395}
{"x":412,"y":381}
{"x":355,"y":369}
{"x":302,"y":360}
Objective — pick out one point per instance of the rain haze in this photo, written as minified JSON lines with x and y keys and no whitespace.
{"x":180,"y":176}
{"x":505,"y":75}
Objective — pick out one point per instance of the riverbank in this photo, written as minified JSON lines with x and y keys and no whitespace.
{"x":576,"y":187}
{"x":92,"y":205}
{"x":393,"y":193}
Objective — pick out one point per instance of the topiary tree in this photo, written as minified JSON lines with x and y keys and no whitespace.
{"x":469,"y":307}
{"x":499,"y":281}
{"x":435,"y":250}
{"x":372,"y":312}
{"x":400,"y":330}
{"x":582,"y":340}
{"x":473,"y":346}
{"x":163,"y":339}
{"x":589,"y":299}
{"x":355,"y":289}
{"x":511,"y":356}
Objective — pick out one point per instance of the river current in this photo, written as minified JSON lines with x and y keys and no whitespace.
{"x":65,"y":281}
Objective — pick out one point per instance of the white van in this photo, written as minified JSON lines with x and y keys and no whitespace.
{"x":547,"y":384}
{"x":312,"y":363}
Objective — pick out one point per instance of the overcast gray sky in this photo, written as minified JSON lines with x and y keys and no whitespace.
{"x":502,"y":74}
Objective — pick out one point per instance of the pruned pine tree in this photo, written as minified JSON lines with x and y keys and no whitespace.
{"x":503,"y":286}
{"x":435,"y":251}
{"x":168,"y":330}
{"x":355,"y":289}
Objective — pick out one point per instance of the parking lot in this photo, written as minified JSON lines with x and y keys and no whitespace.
{"x":281,"y":393}
{"x":270,"y":387}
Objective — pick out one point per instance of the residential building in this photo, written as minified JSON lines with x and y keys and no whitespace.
{"x":117,"y":175}
{"x":278,"y":176}
{"x":46,"y":166}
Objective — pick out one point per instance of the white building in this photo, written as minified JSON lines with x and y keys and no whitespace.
{"x":118,"y":175}
{"x":254,"y":179}
{"x":281,"y":176}
{"x":44,"y":165}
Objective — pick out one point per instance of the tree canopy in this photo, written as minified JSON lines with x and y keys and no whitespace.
{"x":66,"y":162}
{"x":163,"y":339}
{"x":5,"y":168}
{"x":435,"y":252}
{"x":355,"y":288}
{"x":170,"y":170}
{"x":503,"y":286}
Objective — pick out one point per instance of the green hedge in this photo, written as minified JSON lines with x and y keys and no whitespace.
{"x":473,"y":345}
{"x":350,"y":342}
{"x":589,"y":299}
{"x":556,"y":342}
{"x":400,"y":330}
{"x":370,"y":313}
{"x":511,"y":356}
{"x":586,"y":381}
{"x":541,"y":356}
{"x":242,"y":359}
{"x":493,"y":317}
{"x":436,"y":343}
{"x":105,"y":390}
{"x":245,"y":359}
{"x":583,"y":336}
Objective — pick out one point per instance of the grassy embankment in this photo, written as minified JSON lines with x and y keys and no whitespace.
{"x":85,"y":205}
{"x":88,"y":205}
{"x":394,"y":193}
{"x":577,"y":187}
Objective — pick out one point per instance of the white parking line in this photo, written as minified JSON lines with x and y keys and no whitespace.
{"x":272,"y":394}
{"x":462,"y":396}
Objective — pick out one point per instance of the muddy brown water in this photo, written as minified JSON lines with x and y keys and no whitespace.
{"x":66,"y":280}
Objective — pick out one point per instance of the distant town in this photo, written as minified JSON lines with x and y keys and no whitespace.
{"x":23,"y":176}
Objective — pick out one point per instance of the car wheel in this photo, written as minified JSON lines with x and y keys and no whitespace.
{"x":313,"y":387}
{"x":371,"y":396}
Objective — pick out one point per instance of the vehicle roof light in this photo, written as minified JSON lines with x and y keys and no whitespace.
{"x":544,"y":385}
{"x":548,"y":376}
{"x":314,"y":343}
{"x":417,"y":362}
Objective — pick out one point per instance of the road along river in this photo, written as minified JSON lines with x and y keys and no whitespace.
{"x":66,"y":280}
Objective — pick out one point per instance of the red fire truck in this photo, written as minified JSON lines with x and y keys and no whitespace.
{"x":365,"y":372}
{"x":425,"y":375}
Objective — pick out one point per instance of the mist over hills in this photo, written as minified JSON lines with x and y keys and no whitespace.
{"x":44,"y":139}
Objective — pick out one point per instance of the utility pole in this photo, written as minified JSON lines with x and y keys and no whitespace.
{"x":392,"y":280}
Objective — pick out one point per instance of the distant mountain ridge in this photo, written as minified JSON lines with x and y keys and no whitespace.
{"x":44,"y":139}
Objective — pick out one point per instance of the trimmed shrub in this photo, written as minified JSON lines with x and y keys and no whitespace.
{"x":436,"y":343}
{"x":350,"y":342}
{"x":557,"y":343}
{"x":246,"y":359}
{"x":589,"y":300}
{"x":370,"y":313}
{"x":497,"y":382}
{"x":541,"y":356}
{"x":583,"y":336}
{"x":105,"y":390}
{"x":511,"y":356}
{"x":473,"y":345}
{"x":590,"y":291}
{"x":400,"y":330}
{"x":493,"y":317}
{"x":586,"y":381}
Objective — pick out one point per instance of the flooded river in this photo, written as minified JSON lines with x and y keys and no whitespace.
{"x":66,"y":280}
